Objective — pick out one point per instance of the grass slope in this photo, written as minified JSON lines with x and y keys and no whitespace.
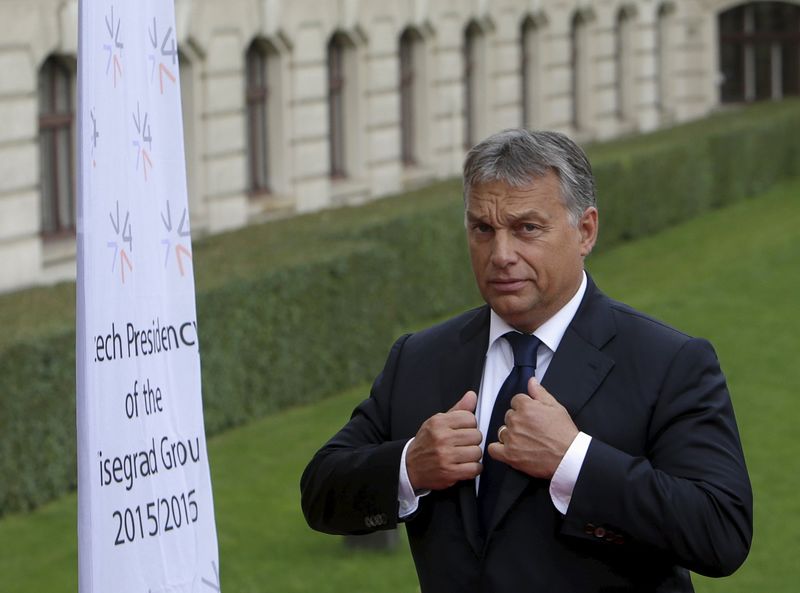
{"x":731,"y":276}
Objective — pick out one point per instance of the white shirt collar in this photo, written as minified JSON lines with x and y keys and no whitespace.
{"x":552,"y":330}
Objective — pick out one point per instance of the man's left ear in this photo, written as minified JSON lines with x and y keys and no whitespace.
{"x":588,"y":227}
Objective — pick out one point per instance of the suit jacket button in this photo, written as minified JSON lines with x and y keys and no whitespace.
{"x":589,"y":529}
{"x":599,"y":532}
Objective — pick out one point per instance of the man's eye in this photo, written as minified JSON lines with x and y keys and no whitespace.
{"x":482,"y":227}
{"x":529,"y":227}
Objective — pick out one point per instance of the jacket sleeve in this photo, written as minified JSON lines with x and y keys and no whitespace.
{"x":350,"y":485}
{"x":689,"y":495}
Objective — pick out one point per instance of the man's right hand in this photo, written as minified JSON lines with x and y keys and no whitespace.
{"x":446,"y":448}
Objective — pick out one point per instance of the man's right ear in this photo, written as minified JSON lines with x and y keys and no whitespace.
{"x":588,"y":225}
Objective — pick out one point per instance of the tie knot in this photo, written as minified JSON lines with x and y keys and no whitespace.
{"x":525,"y":348}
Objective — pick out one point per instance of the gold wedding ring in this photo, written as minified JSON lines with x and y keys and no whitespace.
{"x":500,"y":433}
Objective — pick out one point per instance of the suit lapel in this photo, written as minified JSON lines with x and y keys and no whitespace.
{"x":462,"y":371}
{"x":576,"y":371}
{"x":462,"y":368}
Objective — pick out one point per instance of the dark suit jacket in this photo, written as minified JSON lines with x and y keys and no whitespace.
{"x":663,"y":487}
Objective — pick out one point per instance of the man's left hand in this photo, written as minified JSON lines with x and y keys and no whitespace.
{"x":538,"y":433}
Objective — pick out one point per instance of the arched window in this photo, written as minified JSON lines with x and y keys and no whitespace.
{"x":57,"y":146}
{"x":346,"y":106}
{"x":474,"y":84}
{"x":580,"y":84}
{"x":531,"y":73}
{"x":624,"y":62}
{"x":260,"y":80}
{"x":664,"y":49}
{"x":759,"y":51}
{"x":411,"y":91}
{"x":337,"y":109}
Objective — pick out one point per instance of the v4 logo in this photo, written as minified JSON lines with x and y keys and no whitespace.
{"x":123,"y":236}
{"x":144,"y":137}
{"x":114,"y":46}
{"x":181,"y":251}
{"x":94,"y":136}
{"x":168,"y":50}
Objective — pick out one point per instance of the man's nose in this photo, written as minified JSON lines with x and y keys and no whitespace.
{"x":503,"y":250}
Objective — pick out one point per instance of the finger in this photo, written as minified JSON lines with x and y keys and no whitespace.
{"x":497,"y":451}
{"x":466,"y":437}
{"x":469,"y":454}
{"x":468,"y":402}
{"x":467,"y":471}
{"x":460,"y":419}
{"x":503,"y":428}
{"x":519,"y":401}
{"x":539,"y":393}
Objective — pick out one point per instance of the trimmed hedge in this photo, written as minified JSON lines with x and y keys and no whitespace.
{"x":646,"y":187}
{"x":310,"y":305}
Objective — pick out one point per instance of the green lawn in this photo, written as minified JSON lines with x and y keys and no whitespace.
{"x":731,"y":276}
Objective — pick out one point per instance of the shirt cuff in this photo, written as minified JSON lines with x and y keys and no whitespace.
{"x":566,"y":475}
{"x":406,"y":496}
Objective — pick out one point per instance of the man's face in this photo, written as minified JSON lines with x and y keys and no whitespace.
{"x":526,"y":254}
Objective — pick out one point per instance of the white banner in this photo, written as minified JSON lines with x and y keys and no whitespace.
{"x":146,"y":516}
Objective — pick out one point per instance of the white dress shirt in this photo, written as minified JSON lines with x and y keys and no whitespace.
{"x":497,"y":366}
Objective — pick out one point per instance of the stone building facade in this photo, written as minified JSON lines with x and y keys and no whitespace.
{"x":292,"y":106}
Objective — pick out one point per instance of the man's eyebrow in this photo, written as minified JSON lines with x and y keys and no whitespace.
{"x":511,"y":216}
{"x":524,"y":215}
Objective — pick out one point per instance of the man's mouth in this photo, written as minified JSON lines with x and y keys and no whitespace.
{"x":507,"y":284}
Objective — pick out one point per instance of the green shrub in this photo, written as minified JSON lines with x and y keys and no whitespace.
{"x":649,"y":182}
{"x":294,"y":310}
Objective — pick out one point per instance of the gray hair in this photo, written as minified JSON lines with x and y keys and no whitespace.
{"x":517,"y":157}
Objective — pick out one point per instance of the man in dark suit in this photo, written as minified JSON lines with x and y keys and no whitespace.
{"x":554,"y":440}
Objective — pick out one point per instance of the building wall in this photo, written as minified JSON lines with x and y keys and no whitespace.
{"x":674,"y":84}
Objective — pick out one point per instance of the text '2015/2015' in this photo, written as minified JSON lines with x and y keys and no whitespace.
{"x":154,"y":518}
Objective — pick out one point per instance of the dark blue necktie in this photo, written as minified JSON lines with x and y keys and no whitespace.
{"x":525,"y":348}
